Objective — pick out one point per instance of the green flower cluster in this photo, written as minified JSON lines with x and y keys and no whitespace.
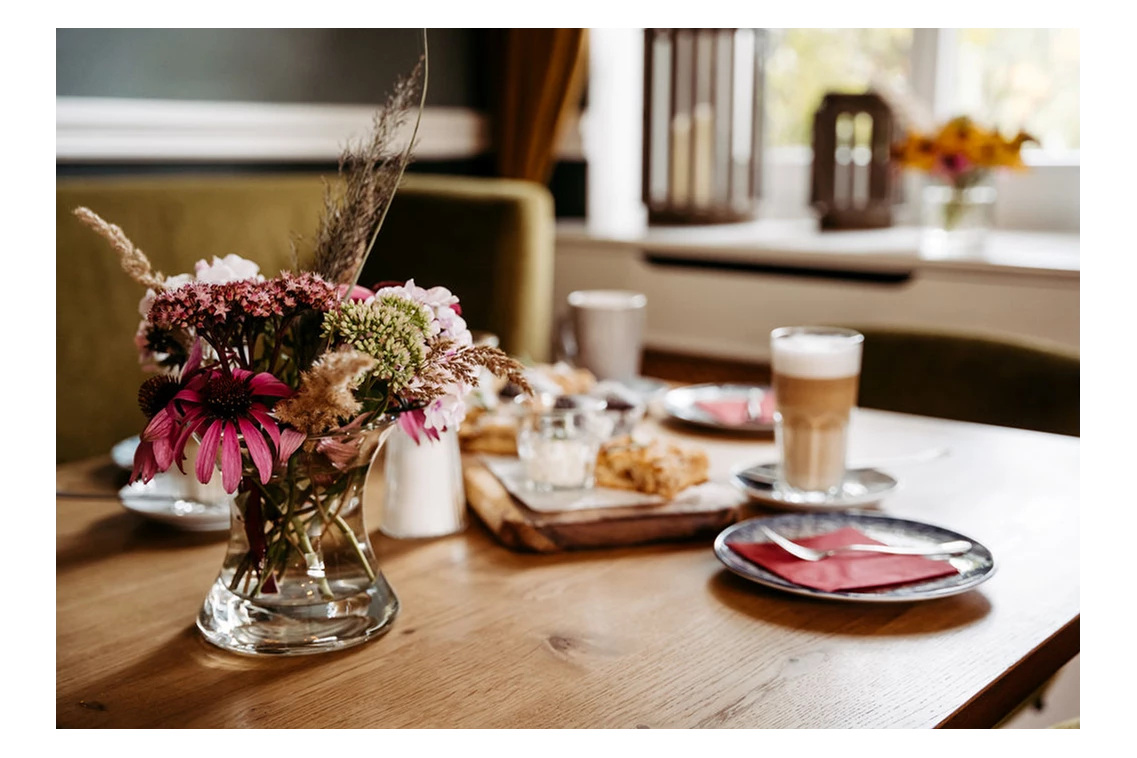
{"x":391,"y":329}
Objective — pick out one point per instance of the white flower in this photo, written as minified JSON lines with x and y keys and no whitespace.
{"x":436,"y":297}
{"x":448,"y":411}
{"x":453,"y":326}
{"x":447,"y":322}
{"x":231,"y":268}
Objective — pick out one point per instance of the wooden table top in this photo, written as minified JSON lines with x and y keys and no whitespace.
{"x":651,"y":636}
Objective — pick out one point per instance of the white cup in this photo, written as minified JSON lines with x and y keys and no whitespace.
{"x":605,"y":332}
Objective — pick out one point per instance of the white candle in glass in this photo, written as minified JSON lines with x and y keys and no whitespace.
{"x":680,"y":159}
{"x":703,"y":137}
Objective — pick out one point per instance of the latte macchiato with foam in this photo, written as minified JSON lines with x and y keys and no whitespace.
{"x":815,"y":371}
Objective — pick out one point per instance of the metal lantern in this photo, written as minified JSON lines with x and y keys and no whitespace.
{"x":852,"y":176}
{"x":702,"y":133}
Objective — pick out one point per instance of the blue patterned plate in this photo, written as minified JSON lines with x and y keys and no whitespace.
{"x":975,"y":566}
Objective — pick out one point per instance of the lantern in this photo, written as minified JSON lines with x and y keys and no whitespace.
{"x":852,"y":173}
{"x":702,"y":133}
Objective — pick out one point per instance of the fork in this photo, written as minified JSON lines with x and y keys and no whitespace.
{"x":955,"y":547}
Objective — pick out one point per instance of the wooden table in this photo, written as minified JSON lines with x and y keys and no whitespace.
{"x":653,"y":636}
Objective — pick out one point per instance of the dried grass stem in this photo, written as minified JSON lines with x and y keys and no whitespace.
{"x":134,"y":261}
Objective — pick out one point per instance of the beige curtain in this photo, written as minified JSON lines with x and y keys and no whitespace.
{"x":540,"y":76}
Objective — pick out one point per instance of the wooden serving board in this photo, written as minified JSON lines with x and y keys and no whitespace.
{"x":520,"y":528}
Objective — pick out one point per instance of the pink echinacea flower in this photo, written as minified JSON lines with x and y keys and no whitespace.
{"x":228,"y":410}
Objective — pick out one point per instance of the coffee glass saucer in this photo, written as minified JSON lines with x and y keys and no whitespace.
{"x":179,"y":500}
{"x":861,"y":487}
{"x":173,"y":498}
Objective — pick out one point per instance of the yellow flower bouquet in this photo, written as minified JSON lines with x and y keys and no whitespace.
{"x":960,"y":156}
{"x":961,"y":153}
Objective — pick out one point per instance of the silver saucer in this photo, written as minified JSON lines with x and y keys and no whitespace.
{"x":179,"y":501}
{"x":862,"y":487}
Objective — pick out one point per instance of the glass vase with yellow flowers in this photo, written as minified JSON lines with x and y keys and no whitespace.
{"x":960,"y":158}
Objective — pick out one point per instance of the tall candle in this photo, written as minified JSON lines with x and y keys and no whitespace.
{"x":680,"y":159}
{"x":704,"y":144}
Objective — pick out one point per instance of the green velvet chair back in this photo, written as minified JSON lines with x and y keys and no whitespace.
{"x":488,"y":240}
{"x":983,"y":378}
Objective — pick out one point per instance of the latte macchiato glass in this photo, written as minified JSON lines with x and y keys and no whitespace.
{"x":815,"y":371}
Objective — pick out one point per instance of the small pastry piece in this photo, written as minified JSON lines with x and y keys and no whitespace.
{"x":561,"y":378}
{"x":491,"y":433}
{"x":655,"y":468}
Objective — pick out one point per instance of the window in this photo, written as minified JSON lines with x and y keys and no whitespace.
{"x":1009,"y":78}
{"x":804,"y":64}
{"x":1021,"y":78}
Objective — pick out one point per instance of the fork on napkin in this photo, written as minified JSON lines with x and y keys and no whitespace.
{"x":845,"y":571}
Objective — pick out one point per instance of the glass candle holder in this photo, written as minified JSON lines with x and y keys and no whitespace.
{"x":558,"y":440}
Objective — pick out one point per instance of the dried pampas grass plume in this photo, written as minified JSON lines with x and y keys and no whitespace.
{"x":134,"y":262}
{"x":325,"y":394}
{"x":371,"y":171}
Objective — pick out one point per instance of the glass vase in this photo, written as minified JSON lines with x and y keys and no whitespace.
{"x":300,"y":575}
{"x":956,"y":219}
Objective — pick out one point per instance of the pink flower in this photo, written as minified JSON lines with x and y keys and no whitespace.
{"x":358,"y":293}
{"x":413,"y":422}
{"x":229,"y":410}
{"x":158,"y":447}
{"x":952,"y":165}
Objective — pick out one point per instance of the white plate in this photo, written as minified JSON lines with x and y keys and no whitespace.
{"x":975,"y":566}
{"x":646,"y":387}
{"x":180,"y":501}
{"x":682,"y":403}
{"x":511,"y":473}
{"x":862,"y":487}
{"x":123,"y":452}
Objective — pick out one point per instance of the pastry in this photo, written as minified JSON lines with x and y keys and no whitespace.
{"x":560,"y":379}
{"x":488,"y":432}
{"x":655,"y":468}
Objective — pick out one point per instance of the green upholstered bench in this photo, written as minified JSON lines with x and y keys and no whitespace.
{"x":489,"y":240}
{"x":985,"y":378}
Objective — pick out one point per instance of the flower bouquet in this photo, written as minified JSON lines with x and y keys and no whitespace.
{"x":289,"y":386}
{"x":960,"y":157}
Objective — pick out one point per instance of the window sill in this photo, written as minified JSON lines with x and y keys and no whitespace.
{"x":799,"y":242}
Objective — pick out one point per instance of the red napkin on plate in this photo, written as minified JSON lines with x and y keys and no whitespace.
{"x":733,"y":411}
{"x":845,"y":571}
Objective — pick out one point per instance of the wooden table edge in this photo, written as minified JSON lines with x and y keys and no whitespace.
{"x":991,"y":705}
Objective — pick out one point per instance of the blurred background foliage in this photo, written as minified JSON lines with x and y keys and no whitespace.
{"x":1008,"y":79}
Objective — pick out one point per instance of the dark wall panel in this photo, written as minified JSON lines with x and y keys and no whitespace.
{"x":339,"y":66}
{"x":354,"y":66}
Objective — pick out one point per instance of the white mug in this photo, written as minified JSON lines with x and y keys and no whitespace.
{"x":604,"y":332}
